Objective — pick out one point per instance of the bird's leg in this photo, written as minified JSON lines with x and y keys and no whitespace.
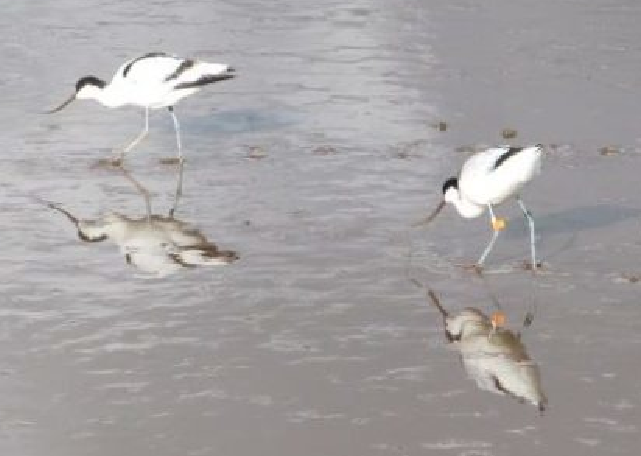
{"x":498,"y":224}
{"x":530,"y":221}
{"x":139,"y":138}
{"x":498,"y":321}
{"x":141,"y":189}
{"x":177,"y":128}
{"x":179,"y":190}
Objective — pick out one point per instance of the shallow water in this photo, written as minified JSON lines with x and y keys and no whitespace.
{"x":316,"y":342}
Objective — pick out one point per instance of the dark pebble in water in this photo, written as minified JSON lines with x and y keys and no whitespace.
{"x":528,"y":265}
{"x":465,"y":149}
{"x":106,"y":163}
{"x":440,"y":126}
{"x":631,"y":278}
{"x":324,"y":150}
{"x":256,"y":153}
{"x":169,"y":161}
{"x":509,"y":133}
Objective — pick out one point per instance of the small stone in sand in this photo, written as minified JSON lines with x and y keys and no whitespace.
{"x":509,"y":133}
{"x":610,"y":150}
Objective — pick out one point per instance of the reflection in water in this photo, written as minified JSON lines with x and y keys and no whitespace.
{"x":493,"y":356}
{"x":154,"y":244}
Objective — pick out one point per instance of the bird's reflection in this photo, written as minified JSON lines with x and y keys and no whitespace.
{"x":154,"y":244}
{"x":493,"y":356}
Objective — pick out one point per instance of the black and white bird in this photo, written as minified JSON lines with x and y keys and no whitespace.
{"x":488,"y":178}
{"x":152,"y":81}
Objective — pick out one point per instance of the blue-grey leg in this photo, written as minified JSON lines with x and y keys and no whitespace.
{"x":139,"y":138}
{"x":495,"y":235}
{"x":179,"y":190}
{"x":530,"y":221}
{"x":177,"y":127}
{"x":141,"y":189}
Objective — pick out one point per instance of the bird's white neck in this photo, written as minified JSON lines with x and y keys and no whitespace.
{"x":107,"y":96}
{"x":111,"y":97}
{"x":468,"y":209}
{"x":465,"y":208}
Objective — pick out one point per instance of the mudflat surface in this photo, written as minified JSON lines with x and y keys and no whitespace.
{"x":316,"y":342}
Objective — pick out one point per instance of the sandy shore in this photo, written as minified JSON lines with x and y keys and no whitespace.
{"x":313,"y":164}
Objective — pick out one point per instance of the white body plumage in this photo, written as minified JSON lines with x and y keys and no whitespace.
{"x":492,"y":176}
{"x":155,"y":81}
{"x":152,"y":81}
{"x":489,"y":178}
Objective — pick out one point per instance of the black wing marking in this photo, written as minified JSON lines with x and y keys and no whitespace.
{"x":184,"y":66}
{"x":146,"y":56}
{"x":451,"y":337}
{"x":203,"y":81}
{"x":543,"y":405}
{"x":499,"y":386}
{"x":85,"y":238}
{"x":176,"y":259}
{"x":504,"y":156}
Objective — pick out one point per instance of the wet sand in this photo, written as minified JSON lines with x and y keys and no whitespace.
{"x":316,"y":342}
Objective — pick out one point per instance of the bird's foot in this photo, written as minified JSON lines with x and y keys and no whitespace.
{"x":498,"y":319}
{"x":172,"y":161}
{"x":476,"y":268}
{"x":527,"y":265}
{"x":499,"y":223}
{"x":114,"y":162}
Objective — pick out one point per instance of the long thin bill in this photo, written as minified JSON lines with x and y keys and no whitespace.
{"x":437,"y":303}
{"x":73,"y":219}
{"x":63,"y":105}
{"x":432,"y":216}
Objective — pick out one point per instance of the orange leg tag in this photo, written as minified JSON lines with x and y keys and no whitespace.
{"x":499,"y":223}
{"x":498,"y":319}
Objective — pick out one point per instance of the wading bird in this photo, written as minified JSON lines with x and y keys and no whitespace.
{"x":487,"y":179}
{"x":152,"y":81}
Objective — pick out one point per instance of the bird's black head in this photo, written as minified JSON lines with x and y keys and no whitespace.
{"x":89,"y":80}
{"x":86,"y":238}
{"x":452,"y":182}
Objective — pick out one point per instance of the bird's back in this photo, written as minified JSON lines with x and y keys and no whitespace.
{"x":153,"y":79}
{"x":498,"y":173}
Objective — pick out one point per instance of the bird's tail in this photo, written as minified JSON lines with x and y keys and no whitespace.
{"x":229,"y":73}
